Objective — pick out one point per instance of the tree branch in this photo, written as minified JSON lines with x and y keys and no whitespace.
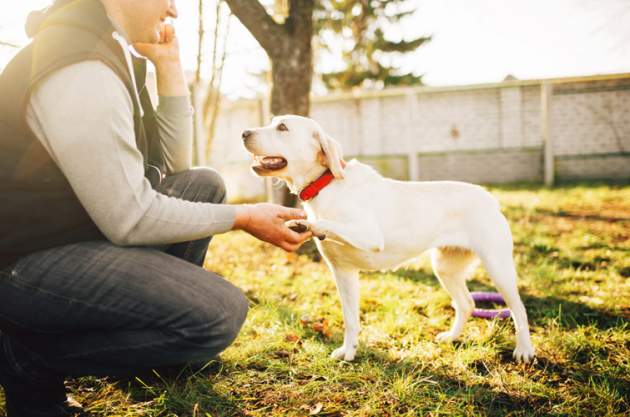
{"x":11,"y":45}
{"x":256,"y":19}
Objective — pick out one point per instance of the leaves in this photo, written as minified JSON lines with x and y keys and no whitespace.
{"x":315,"y":409}
{"x":319,"y":325}
{"x":358,"y":24}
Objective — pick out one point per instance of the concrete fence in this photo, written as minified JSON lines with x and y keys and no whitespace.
{"x":535,"y":130}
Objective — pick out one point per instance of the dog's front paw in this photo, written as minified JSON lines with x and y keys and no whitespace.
{"x":344,"y":354}
{"x":445,"y":337}
{"x":301,"y":226}
{"x":524,"y":354}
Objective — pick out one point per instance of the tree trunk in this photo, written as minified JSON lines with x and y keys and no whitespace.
{"x":292,"y":62}
{"x":288,"y":46}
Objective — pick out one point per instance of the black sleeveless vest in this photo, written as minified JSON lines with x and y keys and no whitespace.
{"x":38,"y":208}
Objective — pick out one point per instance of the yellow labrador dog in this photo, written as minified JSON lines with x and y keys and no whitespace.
{"x":367,"y":222}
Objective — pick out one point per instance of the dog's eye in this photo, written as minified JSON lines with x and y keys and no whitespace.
{"x":282,"y":127}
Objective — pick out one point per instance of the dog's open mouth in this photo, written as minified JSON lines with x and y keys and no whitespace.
{"x":269,"y":163}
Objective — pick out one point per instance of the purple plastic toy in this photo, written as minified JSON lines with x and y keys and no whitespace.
{"x":492,"y":297}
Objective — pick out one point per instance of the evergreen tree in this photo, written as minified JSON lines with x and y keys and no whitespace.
{"x":358,"y":26}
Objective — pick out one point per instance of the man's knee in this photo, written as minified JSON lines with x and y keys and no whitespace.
{"x":212,"y":327}
{"x":212,"y":180}
{"x":235,"y":313}
{"x":198,"y":185}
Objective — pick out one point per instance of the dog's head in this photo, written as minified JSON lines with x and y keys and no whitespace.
{"x":293,"y":148}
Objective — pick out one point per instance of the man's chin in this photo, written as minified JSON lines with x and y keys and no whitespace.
{"x":155,"y":37}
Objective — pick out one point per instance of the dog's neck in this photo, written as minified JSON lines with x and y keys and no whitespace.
{"x":299,"y":183}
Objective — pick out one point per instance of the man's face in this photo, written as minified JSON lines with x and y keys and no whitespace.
{"x":145,"y":18}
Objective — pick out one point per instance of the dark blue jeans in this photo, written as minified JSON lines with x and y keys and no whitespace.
{"x":94,"y":308}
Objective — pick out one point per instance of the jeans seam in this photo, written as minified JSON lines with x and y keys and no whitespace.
{"x":173,"y":188}
{"x":119,"y":348}
{"x":135,"y":346}
{"x":24,"y":285}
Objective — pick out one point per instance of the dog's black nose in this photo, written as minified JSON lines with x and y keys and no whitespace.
{"x":246,"y":134}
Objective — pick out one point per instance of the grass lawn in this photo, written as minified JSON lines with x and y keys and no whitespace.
{"x":572,"y":248}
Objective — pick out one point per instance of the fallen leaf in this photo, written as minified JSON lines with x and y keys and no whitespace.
{"x":282,"y":354}
{"x":291,"y":337}
{"x":321,"y":327}
{"x":315,"y":409}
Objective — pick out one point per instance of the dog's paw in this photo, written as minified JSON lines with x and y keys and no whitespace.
{"x":524,"y":354}
{"x":299,"y":226}
{"x":445,"y":337}
{"x":344,"y":354}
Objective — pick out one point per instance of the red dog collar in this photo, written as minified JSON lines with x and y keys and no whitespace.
{"x":316,"y":186}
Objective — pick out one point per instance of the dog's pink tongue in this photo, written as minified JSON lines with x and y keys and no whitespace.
{"x":273,"y":162}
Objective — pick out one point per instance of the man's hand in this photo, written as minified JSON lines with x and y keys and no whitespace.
{"x":166,"y":50}
{"x":266,"y":222}
{"x":165,"y":56}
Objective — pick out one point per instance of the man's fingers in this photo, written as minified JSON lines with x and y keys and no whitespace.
{"x":169,"y":32}
{"x":290,"y":214}
{"x":289,"y":247}
{"x":296,"y":237}
{"x":295,"y":246}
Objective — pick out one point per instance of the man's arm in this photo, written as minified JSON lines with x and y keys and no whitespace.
{"x":175,"y":127}
{"x":82,"y":114}
{"x":174,"y":113}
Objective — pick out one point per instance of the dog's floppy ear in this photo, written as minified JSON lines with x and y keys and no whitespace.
{"x":332,"y":153}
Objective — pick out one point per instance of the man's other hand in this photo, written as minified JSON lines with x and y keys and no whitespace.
{"x":165,"y":51}
{"x":266,"y":222}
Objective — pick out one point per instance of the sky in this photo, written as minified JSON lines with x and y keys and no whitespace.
{"x":474,"y":41}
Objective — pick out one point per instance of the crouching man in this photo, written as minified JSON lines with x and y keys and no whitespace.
{"x":103,"y":224}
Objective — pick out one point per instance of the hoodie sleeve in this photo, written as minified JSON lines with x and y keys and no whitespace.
{"x":174,"y":118}
{"x":82,"y":114}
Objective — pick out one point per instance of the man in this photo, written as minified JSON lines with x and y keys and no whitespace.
{"x":100,"y":269}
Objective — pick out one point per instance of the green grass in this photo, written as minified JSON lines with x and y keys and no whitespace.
{"x":572,"y":248}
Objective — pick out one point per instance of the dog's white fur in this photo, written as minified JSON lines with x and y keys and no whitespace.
{"x":374,"y":223}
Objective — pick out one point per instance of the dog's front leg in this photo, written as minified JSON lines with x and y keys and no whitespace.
{"x":348,"y":287}
{"x":364,"y":235}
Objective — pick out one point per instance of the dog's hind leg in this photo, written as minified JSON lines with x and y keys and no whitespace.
{"x":496,"y":255}
{"x":453,"y":266}
{"x":348,"y":287}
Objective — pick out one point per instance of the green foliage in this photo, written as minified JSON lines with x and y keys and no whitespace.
{"x":572,"y":247}
{"x":358,"y":25}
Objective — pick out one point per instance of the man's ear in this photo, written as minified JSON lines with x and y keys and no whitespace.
{"x":332,"y":153}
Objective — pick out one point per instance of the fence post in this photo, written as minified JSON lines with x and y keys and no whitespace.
{"x":546,"y":91}
{"x":414,"y":167}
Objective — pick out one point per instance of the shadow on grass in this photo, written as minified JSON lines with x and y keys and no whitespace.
{"x":428,"y":384}
{"x":439,"y":385}
{"x":491,"y":399}
{"x":189,"y":389}
{"x":570,"y":314}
